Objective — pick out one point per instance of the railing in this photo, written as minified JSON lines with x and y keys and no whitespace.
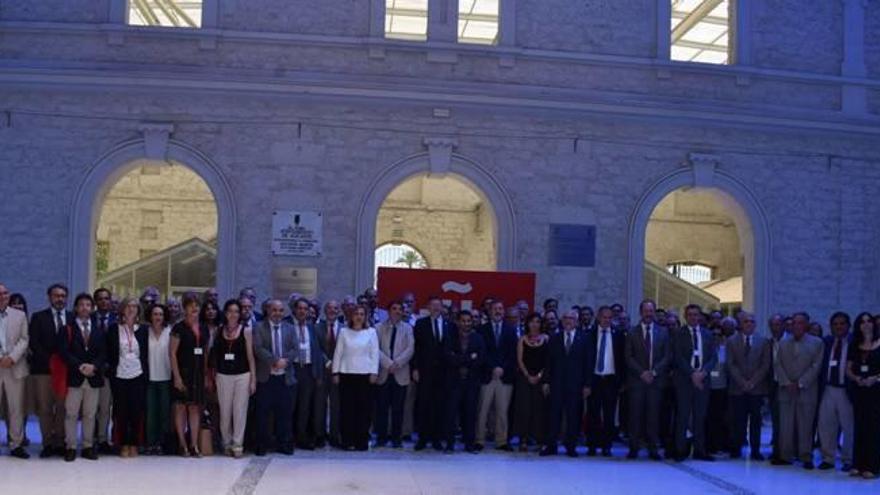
{"x":671,"y":292}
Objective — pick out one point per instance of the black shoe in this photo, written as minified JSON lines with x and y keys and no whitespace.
{"x":655,"y":456}
{"x":606,"y":452}
{"x":809,"y":466}
{"x":90,"y":454}
{"x":397,"y":445}
{"x":449,"y":449}
{"x":505,"y":448}
{"x":105,"y":448}
{"x":633,"y":454}
{"x":437,"y":446}
{"x":571,"y":452}
{"x":47,"y":452}
{"x":420,"y":445}
{"x":825,"y":466}
{"x":286,"y":450}
{"x":20,"y":453}
{"x":757,"y":456}
{"x":704,"y":457}
{"x":380,"y":443}
{"x":69,"y":455}
{"x":547,"y":451}
{"x":260,"y":452}
{"x":734,"y":454}
{"x":307,"y":446}
{"x":846,"y":468}
{"x":779,"y":462}
{"x":472,"y":449}
{"x":680,"y":458}
{"x":591,"y":452}
{"x":320,"y":444}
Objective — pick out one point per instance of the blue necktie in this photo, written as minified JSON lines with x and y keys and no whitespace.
{"x":601,"y":366}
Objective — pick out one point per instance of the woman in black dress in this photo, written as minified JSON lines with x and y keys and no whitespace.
{"x":188,"y":348}
{"x":863,"y":369}
{"x":531,"y":355}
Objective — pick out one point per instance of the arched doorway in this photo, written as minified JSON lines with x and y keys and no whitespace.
{"x":157,"y":227}
{"x":461,"y":172}
{"x":118,"y":162}
{"x":740,"y":205}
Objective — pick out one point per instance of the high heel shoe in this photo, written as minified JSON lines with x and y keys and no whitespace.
{"x":184,"y":452}
{"x":196,"y":453}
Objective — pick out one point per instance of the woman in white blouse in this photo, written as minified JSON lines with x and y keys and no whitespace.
{"x":159,"y":380}
{"x":355,"y":367}
{"x":127,"y":359}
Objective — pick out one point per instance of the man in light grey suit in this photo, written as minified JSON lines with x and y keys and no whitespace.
{"x":694,"y":353}
{"x":748,"y":365}
{"x":13,"y":369}
{"x":647,"y":361}
{"x":396,"y":347}
{"x":797,"y":371}
{"x":275,"y":349}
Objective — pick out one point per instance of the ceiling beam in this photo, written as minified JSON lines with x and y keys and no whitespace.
{"x":698,"y":14}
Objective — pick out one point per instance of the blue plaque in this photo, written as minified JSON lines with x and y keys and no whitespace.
{"x":572,"y":245}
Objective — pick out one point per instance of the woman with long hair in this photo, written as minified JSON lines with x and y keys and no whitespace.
{"x":158,"y":378}
{"x":531,"y":357}
{"x":863,"y":369}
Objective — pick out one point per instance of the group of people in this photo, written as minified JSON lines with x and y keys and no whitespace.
{"x":332,"y":374}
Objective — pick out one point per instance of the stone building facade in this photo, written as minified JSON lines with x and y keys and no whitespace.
{"x":576,"y":116}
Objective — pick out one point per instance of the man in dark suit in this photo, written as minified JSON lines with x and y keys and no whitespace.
{"x":647,"y":360}
{"x":606,"y":346}
{"x":694,"y":352}
{"x":310,"y":366}
{"x":83,"y":346}
{"x":275,"y":350}
{"x":44,"y":331}
{"x":835,"y":407}
{"x":748,"y":365}
{"x":565,"y":382}
{"x":464,"y":357}
{"x":498,"y":375}
{"x":777,"y":332}
{"x":104,"y":317}
{"x":328,"y":329}
{"x":428,"y":373}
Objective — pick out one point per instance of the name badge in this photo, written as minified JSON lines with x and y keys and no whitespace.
{"x":716,"y":374}
{"x":864,"y":368}
{"x":229,"y":357}
{"x":198,"y":351}
{"x":696,"y":353}
{"x":474,"y":355}
{"x":832,"y":363}
{"x":304,"y":346}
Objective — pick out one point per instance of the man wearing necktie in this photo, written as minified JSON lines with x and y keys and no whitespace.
{"x":606,"y":345}
{"x":428,"y":373}
{"x":45,"y":328}
{"x":275,"y":351}
{"x":748,"y":365}
{"x":647,"y":360}
{"x":835,"y":408}
{"x":498,"y":376}
{"x":695,"y":354}
{"x":85,"y":354}
{"x":13,"y":370}
{"x":396,"y":348}
{"x":328,"y":393}
{"x":310,"y":368}
{"x":104,"y":319}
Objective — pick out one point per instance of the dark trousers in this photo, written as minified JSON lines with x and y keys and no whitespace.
{"x":306,"y":401}
{"x":747,"y":413}
{"x":327,"y":410}
{"x":644,"y":415}
{"x":565,"y":403}
{"x":462,"y":404}
{"x":690,"y":413}
{"x":158,"y":412}
{"x":530,"y":405}
{"x":390,"y":397}
{"x":667,"y":418}
{"x":355,"y":392}
{"x":431,"y":398}
{"x":601,"y":406}
{"x":718,"y":434}
{"x":129,"y":397}
{"x":866,"y":421}
{"x":773,"y":397}
{"x":275,"y":397}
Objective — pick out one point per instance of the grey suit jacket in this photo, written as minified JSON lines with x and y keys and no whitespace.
{"x":800,"y":362}
{"x":637,"y":356}
{"x":326,"y":348}
{"x":17,"y":338}
{"x":404,"y":347}
{"x":263,"y":351}
{"x":754,"y":367}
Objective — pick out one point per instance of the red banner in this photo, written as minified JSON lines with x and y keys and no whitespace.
{"x":465,"y":289}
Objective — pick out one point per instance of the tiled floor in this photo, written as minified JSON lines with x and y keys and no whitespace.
{"x":391,"y":472}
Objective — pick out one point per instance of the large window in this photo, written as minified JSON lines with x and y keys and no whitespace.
{"x":478,"y":21}
{"x":170,"y":13}
{"x":693,"y":273}
{"x":406,"y":19}
{"x":701,"y":31}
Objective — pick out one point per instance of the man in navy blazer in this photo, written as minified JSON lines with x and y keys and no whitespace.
{"x":83,"y":346}
{"x":428,"y":373}
{"x":275,"y":350}
{"x":464,"y":357}
{"x":498,"y":376}
{"x":606,"y":345}
{"x":565,"y":382}
{"x":309,"y":366}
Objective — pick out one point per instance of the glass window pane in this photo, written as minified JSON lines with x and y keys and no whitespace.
{"x":700,"y":31}
{"x":169,"y":13}
{"x":406,"y":19}
{"x":478,"y":21}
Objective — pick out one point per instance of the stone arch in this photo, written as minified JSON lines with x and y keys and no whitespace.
{"x":101,"y":177}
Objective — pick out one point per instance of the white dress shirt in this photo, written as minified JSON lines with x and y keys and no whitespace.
{"x":357,"y":352}
{"x":159,"y":358}
{"x":279,"y":340}
{"x":305,"y":342}
{"x":698,"y":351}
{"x":3,"y":317}
{"x":608,"y":357}
{"x":129,"y":355}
